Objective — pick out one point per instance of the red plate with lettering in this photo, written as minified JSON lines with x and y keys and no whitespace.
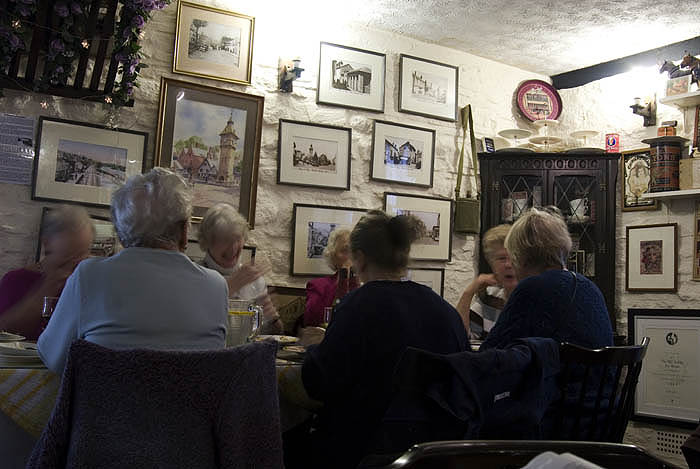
{"x":538,"y":99}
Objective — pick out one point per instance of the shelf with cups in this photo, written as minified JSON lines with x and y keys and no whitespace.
{"x":684,"y":100}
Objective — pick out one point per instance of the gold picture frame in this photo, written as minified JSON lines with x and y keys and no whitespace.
{"x":213,"y":43}
{"x":696,"y":245}
{"x":635,"y":172}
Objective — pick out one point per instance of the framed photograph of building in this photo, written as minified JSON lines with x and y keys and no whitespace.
{"x":311,"y":227}
{"x":211,"y":136}
{"x":636,"y":176}
{"x":428,"y":88}
{"x":436,"y":214}
{"x":213,"y":43}
{"x":652,"y":258}
{"x":403,"y":154}
{"x":314,"y":155}
{"x":105,"y":244}
{"x":351,"y":77}
{"x":668,"y":387}
{"x":84,"y":163}
{"x":431,"y":278}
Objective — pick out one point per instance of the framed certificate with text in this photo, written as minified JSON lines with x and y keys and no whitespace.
{"x":669,"y":383}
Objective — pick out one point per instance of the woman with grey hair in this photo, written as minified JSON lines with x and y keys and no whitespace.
{"x":222,"y":235}
{"x":549,"y":300}
{"x":149,"y":295}
{"x":66,"y":236}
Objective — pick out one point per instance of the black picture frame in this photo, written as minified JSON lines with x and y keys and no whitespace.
{"x":441,"y":71}
{"x":101,"y":246}
{"x":401,"y":173}
{"x":439,"y":271}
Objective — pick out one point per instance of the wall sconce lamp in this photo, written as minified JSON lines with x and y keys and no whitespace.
{"x":648,"y":111}
{"x":289,"y":70}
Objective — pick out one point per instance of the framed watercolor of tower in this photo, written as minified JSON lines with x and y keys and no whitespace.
{"x":211,"y":137}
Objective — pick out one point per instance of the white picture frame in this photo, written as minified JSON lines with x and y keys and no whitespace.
{"x":403,"y":154}
{"x":428,"y":88}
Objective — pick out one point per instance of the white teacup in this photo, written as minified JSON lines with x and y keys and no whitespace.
{"x":579,"y":207}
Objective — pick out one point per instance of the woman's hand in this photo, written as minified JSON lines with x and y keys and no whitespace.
{"x":248,"y":273}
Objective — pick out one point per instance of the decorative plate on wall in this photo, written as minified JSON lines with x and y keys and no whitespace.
{"x":538,"y":100}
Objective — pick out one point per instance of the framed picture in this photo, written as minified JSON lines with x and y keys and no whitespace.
{"x":84,"y":163}
{"x":436,"y":215}
{"x":431,"y":278}
{"x":351,"y":77}
{"x":196,"y":254}
{"x":312,"y":225}
{"x":211,"y":136}
{"x":428,"y":88}
{"x":668,"y":387}
{"x":403,"y":154}
{"x":696,"y":132}
{"x":679,"y":85}
{"x":696,"y":243}
{"x":213,"y":43}
{"x":652,"y":258}
{"x":105,"y":244}
{"x":635,"y":168}
{"x":314,"y":155}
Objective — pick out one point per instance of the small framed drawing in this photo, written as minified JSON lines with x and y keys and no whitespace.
{"x":351,"y":77}
{"x":105,"y":244}
{"x":314,"y":155}
{"x":428,"y":88}
{"x":196,"y":254}
{"x":211,"y":137}
{"x":431,"y":278}
{"x":403,"y":154}
{"x":652,"y":258}
{"x":636,"y":176}
{"x":84,"y":163}
{"x":435,"y":213}
{"x":311,"y":227}
{"x":213,"y":43}
{"x":696,"y":244}
{"x":679,"y":85}
{"x":668,"y":388}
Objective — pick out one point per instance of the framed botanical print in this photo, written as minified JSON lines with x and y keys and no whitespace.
{"x":211,"y":136}
{"x":431,"y":278}
{"x":84,"y":163}
{"x":635,"y":169}
{"x":213,"y":43}
{"x":652,"y":258}
{"x":403,"y":154}
{"x":314,"y":155}
{"x":312,"y":225}
{"x":351,"y":77}
{"x":428,"y":88}
{"x":436,"y":215}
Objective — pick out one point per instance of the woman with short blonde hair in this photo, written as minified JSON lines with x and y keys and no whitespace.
{"x":549,"y":300}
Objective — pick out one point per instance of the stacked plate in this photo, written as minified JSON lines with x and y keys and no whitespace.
{"x":17,"y":354}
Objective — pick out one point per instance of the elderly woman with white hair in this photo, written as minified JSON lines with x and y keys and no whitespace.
{"x":149,"y":295}
{"x":549,"y":300}
{"x":222,"y":235}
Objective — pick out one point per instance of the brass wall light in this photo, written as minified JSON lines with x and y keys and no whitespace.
{"x":647,"y":111}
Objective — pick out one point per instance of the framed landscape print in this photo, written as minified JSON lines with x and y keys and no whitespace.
{"x":84,"y":163}
{"x":636,"y":176}
{"x":668,"y":387}
{"x":105,"y":244}
{"x":428,"y":88}
{"x":351,"y":77}
{"x":312,"y":225}
{"x":652,"y":258}
{"x":211,"y":137}
{"x":431,"y":278}
{"x":402,"y":154}
{"x":315,"y":155}
{"x":436,"y":215}
{"x":213,"y":43}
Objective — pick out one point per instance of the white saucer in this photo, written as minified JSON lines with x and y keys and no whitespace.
{"x":10,"y":337}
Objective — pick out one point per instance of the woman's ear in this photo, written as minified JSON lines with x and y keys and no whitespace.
{"x":359,"y":263}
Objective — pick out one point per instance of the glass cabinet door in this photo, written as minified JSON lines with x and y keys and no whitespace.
{"x":578,"y":198}
{"x":517,"y":193}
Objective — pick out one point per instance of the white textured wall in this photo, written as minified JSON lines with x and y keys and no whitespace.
{"x":487,"y":85}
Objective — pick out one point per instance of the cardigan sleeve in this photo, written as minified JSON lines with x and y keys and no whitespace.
{"x":319,"y":294}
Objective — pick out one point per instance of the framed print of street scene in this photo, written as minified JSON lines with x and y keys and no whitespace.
{"x":431,"y":278}
{"x":428,"y":88}
{"x":84,"y":163}
{"x":213,"y":43}
{"x":314,"y":155}
{"x":435,"y":213}
{"x":351,"y":77}
{"x":312,"y":225}
{"x":211,"y":137}
{"x":402,"y":153}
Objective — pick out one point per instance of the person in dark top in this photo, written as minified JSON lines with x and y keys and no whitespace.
{"x":549,"y":300}
{"x":350,"y":371}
